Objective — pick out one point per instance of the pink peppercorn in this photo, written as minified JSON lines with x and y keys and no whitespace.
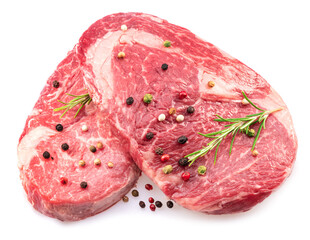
{"x":164,"y":158}
{"x":63,"y":180}
{"x":152,"y":207}
{"x":182,"y":94}
{"x":151,"y":200}
{"x":148,"y":187}
{"x":186,"y":176}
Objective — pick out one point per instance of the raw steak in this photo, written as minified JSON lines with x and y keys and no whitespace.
{"x":235,"y":183}
{"x":53,"y":184}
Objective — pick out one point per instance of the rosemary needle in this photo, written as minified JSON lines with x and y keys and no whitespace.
{"x":236,"y":125}
{"x":78,"y":100}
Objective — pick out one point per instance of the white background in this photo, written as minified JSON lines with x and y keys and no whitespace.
{"x":272,"y":37}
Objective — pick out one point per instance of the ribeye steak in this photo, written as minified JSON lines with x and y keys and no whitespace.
{"x":55,"y":183}
{"x":236,"y":182}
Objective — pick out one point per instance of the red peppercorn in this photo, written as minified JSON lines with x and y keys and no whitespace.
{"x":165,"y":158}
{"x":182,"y":94}
{"x":152,"y":207}
{"x":151,"y":200}
{"x":186,"y":176}
{"x":63,"y":180}
{"x":148,"y":187}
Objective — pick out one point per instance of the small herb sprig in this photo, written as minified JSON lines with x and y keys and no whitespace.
{"x":78,"y":99}
{"x":236,"y":125}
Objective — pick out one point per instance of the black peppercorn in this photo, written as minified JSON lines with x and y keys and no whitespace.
{"x":92,"y":148}
{"x":149,"y":135}
{"x":183,"y":162}
{"x":56,"y":84}
{"x":59,"y":127}
{"x":135,"y":193}
{"x":158,"y":204}
{"x":46,"y":155}
{"x":170,"y":204}
{"x":129,"y":101}
{"x":64,"y":146}
{"x":142,"y":204}
{"x":182,"y":139}
{"x":83,"y":184}
{"x":159,"y":151}
{"x":190,"y":109}
{"x":164,"y":66}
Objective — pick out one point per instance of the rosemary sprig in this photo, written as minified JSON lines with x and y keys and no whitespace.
{"x":78,"y":99}
{"x":236,"y":125}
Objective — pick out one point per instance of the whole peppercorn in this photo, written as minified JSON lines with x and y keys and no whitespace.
{"x":180,"y":118}
{"x":167,"y":169}
{"x":97,"y":162}
{"x":158,"y":204}
{"x":55,"y":84}
{"x":201,"y":170}
{"x":151,"y":200}
{"x":170,"y":204}
{"x":82,"y":163}
{"x":135,"y":193}
{"x":110,"y":165}
{"x":121,"y":55}
{"x":92,"y":149}
{"x":64,"y":146}
{"x":125,"y":199}
{"x":164,"y":66}
{"x":129,"y":101}
{"x":159,"y":151}
{"x":190,"y":109}
{"x":183,"y":162}
{"x":149,"y":135}
{"x":254,"y":153}
{"x":182,"y":139}
{"x":46,"y":155}
{"x":99,"y":145}
{"x":148,"y":187}
{"x":172,"y":111}
{"x":164,"y":158}
{"x":59,"y":127}
{"x":251,"y":133}
{"x":211,"y":84}
{"x":167,"y":43}
{"x":63,"y":180}
{"x":182,"y":94}
{"x":142,"y":204}
{"x":185,"y":176}
{"x":83,"y":184}
{"x":147,"y":98}
{"x":152,"y":207}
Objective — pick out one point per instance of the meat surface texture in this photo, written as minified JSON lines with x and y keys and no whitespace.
{"x":53,"y":184}
{"x":237,"y":182}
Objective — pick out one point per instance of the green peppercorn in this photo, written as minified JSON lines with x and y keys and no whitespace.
{"x":251,"y":133}
{"x":147,"y":98}
{"x":167,"y":169}
{"x":92,"y":149}
{"x":167,"y":43}
{"x":202,"y":170}
{"x":135,"y":193}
